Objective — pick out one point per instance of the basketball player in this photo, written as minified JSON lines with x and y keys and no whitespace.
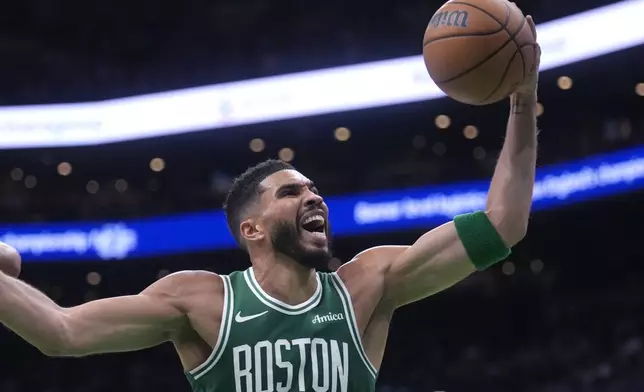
{"x":280,"y":325}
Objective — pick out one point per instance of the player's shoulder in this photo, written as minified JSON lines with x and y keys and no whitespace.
{"x":190,"y":282}
{"x":192,"y":276}
{"x":377,"y":255}
{"x":381,"y":252}
{"x":370,"y":261}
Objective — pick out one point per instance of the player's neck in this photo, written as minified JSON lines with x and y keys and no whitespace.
{"x":285,"y":280}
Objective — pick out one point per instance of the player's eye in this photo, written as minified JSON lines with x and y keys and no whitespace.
{"x":288,"y":192}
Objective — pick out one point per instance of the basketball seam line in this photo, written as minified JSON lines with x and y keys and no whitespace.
{"x":518,"y":51}
{"x":481,"y":34}
{"x":507,"y":69}
{"x":484,"y":60}
{"x":512,"y":37}
{"x":505,"y":73}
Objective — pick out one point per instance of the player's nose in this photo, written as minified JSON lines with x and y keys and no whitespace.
{"x":312,"y":199}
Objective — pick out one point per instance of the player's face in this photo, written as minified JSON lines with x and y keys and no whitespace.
{"x":296,"y":218}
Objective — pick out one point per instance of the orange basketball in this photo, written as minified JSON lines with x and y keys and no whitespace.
{"x":478,"y":51}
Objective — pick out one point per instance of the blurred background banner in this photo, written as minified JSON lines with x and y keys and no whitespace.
{"x":373,"y":212}
{"x":402,"y":80}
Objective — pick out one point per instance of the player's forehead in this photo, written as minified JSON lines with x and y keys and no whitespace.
{"x":284,"y":178}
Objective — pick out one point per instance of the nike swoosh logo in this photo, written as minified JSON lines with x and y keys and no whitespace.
{"x":242,"y":319}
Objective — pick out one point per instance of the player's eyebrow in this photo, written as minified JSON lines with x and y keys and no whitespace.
{"x":295,"y":186}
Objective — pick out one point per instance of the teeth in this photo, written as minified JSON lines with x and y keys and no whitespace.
{"x":318,"y":234}
{"x":310,"y":219}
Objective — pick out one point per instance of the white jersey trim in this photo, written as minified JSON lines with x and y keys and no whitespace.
{"x":224,"y":331}
{"x":351,"y":322}
{"x":281,"y":306}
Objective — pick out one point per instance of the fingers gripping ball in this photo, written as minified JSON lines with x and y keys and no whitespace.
{"x":479,"y":51}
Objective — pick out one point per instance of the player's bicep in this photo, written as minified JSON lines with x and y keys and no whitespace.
{"x":123,"y":323}
{"x":436,"y":261}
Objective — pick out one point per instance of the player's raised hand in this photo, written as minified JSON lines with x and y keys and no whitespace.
{"x":10,"y":261}
{"x":529,"y":85}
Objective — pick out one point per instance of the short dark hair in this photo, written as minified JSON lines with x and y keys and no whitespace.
{"x":245,"y":190}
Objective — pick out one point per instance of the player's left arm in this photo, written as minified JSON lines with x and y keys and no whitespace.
{"x":451,"y":252}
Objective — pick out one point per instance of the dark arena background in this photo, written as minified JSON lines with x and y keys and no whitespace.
{"x":121,"y":132}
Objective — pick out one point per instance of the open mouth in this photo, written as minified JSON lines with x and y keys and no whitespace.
{"x":314,"y":224}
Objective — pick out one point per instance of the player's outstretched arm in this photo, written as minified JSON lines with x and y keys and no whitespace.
{"x":108,"y":325}
{"x":451,"y":252}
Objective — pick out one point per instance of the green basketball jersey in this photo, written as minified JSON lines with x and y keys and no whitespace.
{"x":266,"y":345}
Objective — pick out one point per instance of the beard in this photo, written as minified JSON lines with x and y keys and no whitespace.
{"x":286,"y":239}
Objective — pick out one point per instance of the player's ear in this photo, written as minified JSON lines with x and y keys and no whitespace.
{"x":251,"y":230}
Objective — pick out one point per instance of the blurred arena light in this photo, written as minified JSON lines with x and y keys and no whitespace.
{"x":539,"y":109}
{"x":120,"y":185}
{"x":342,"y":134}
{"x":257,"y":145}
{"x":92,"y":186}
{"x":286,"y":154}
{"x":470,"y":132}
{"x":64,"y":168}
{"x":508,"y":268}
{"x":639,"y":89}
{"x":536,"y":266}
{"x":30,"y":181}
{"x":442,"y":121}
{"x":564,"y":41}
{"x":564,"y":83}
{"x":419,"y":142}
{"x":93,"y":278}
{"x":157,"y":164}
{"x":17,"y":174}
{"x":478,"y":153}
